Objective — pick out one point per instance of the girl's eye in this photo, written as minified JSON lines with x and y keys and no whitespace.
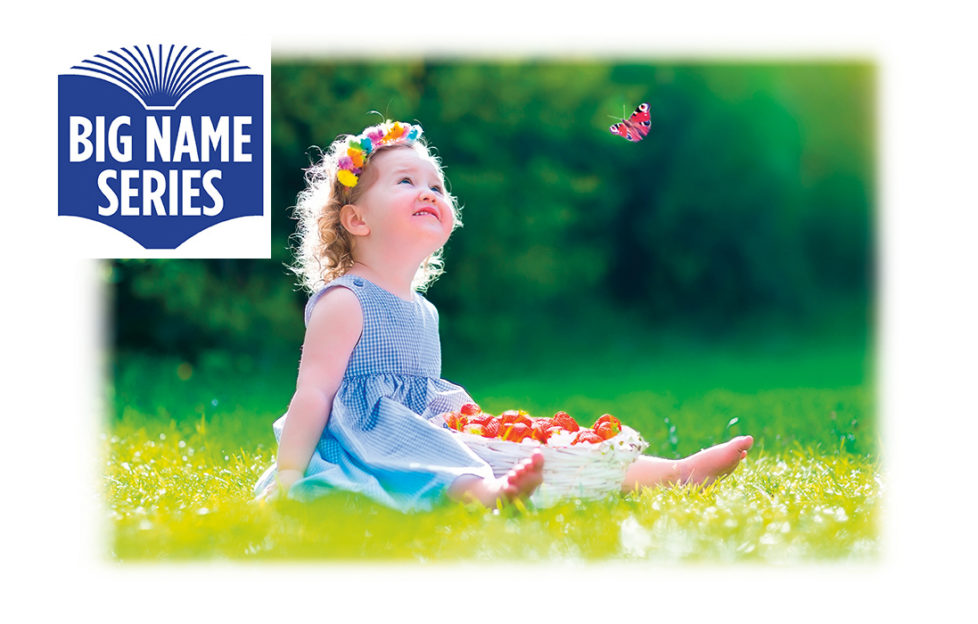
{"x":408,"y":180}
{"x":436,"y":189}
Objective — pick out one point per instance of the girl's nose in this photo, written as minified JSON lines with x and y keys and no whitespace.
{"x":427,"y":195}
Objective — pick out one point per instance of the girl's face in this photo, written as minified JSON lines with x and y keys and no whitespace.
{"x":405,"y":203}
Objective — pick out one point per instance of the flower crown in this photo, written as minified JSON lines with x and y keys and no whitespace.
{"x":364,"y":144}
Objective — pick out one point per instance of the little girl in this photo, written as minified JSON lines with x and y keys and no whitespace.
{"x":365,"y":416}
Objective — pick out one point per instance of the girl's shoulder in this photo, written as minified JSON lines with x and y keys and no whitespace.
{"x":373,"y":298}
{"x":349,"y":297}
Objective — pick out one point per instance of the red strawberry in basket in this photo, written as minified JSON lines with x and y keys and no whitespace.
{"x":587,"y":436}
{"x":547,"y":422}
{"x":516,"y":416}
{"x":470,"y":409}
{"x":515,"y":432}
{"x":564,"y":420}
{"x":542,"y":429}
{"x":607,"y":430}
{"x":609,"y":419}
{"x":480,"y":419}
{"x":491,"y":428}
{"x":455,"y":421}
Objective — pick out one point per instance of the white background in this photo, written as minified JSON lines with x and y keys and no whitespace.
{"x":52,"y":554}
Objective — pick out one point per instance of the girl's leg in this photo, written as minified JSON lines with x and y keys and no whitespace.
{"x":701,"y":468}
{"x":520,"y":482}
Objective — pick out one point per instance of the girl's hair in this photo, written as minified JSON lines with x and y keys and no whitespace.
{"x":322,"y":246}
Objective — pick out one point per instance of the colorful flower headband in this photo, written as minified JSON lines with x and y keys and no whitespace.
{"x":364,"y":144}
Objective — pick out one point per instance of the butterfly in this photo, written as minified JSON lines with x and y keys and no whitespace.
{"x":636,"y":126}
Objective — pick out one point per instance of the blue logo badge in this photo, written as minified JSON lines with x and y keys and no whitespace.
{"x":160,"y":143}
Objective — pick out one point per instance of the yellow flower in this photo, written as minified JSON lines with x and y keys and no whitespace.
{"x":346,"y":178}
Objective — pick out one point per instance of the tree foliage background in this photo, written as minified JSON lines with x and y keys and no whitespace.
{"x":751,"y":200}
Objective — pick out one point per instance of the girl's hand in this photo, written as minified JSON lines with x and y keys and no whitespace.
{"x":279,"y":488}
{"x":269,"y":494}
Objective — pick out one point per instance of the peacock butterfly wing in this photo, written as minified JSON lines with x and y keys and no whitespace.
{"x":637,"y":126}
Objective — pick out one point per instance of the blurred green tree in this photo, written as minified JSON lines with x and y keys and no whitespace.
{"x":753,"y":195}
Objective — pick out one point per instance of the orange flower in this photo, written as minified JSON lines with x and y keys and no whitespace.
{"x":356,"y":155}
{"x":394,"y":133}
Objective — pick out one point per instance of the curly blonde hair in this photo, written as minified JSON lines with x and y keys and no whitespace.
{"x":323,"y":248}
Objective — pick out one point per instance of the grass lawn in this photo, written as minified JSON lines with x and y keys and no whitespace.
{"x":184,"y":445}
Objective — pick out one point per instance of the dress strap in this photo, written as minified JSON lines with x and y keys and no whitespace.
{"x":352,"y":282}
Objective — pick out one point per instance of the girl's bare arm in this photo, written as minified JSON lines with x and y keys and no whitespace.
{"x":332,"y":332}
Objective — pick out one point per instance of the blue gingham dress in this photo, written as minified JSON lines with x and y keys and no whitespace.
{"x":383,"y":437}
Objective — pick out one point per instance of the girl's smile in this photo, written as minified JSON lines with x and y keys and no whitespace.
{"x":427,"y":211}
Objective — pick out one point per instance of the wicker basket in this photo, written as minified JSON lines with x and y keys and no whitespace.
{"x":585,"y":471}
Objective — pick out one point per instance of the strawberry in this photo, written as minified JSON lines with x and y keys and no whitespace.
{"x":480,"y":419}
{"x":607,"y":430}
{"x":588,"y":436}
{"x":491,"y":428}
{"x":564,"y":420}
{"x":515,"y":432}
{"x":541,"y":430}
{"x":470,"y":409}
{"x":455,"y":421}
{"x":607,"y":418}
{"x":515,"y":416}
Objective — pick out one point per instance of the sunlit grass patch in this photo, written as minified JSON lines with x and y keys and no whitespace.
{"x":179,"y":494}
{"x":181,"y":453}
{"x":775,"y":509}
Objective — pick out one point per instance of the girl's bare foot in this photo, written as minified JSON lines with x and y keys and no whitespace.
{"x":715,"y":462}
{"x":703,"y":468}
{"x":519,"y":483}
{"x":523,"y":479}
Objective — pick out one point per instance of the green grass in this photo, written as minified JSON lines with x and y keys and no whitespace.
{"x":182,"y":453}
